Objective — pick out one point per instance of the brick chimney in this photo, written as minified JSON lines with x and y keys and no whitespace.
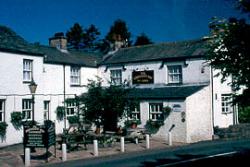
{"x":59,"y":41}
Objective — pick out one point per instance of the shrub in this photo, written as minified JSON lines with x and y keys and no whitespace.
{"x":16,"y":120}
{"x":153,"y":126}
{"x":3,"y":127}
{"x":73,"y":119}
{"x":60,"y":112}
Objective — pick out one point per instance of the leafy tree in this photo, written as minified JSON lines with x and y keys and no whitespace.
{"x":105,"y":103}
{"x":75,"y":36}
{"x":119,"y":32}
{"x":91,"y":38}
{"x":229,"y":50}
{"x":142,"y":39}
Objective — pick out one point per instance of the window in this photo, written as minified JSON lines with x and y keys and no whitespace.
{"x":135,"y":113}
{"x":155,"y":111}
{"x":71,"y":107}
{"x":116,"y":77}
{"x":27,"y":70}
{"x":75,"y":76}
{"x":27,"y":108}
{"x":2,"y":110}
{"x":226,"y":103}
{"x":175,"y":74}
{"x":46,"y":109}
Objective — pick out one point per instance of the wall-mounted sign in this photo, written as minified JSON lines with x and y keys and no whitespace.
{"x":143,"y":77}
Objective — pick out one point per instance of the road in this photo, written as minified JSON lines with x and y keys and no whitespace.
{"x":198,"y":154}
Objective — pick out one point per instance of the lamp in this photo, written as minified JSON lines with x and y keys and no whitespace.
{"x":33,"y":87}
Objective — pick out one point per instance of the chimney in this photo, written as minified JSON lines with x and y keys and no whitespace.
{"x":59,"y":41}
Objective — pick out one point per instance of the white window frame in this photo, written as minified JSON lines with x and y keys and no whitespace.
{"x":75,"y":76}
{"x":135,"y":113}
{"x":27,"y":109}
{"x":155,"y":111}
{"x":116,"y":76}
{"x":2,"y":110}
{"x":46,"y":109}
{"x":71,"y":107}
{"x":174,"y":74}
{"x":226,"y":103}
{"x":27,"y":70}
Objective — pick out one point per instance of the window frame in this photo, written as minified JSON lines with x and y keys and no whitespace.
{"x":226,"y":100}
{"x":27,"y":112}
{"x":135,"y":114}
{"x":156,"y":115}
{"x":71,"y":107}
{"x":28,"y":71}
{"x":2,"y":110}
{"x":175,"y":71}
{"x":75,"y":75}
{"x":46,"y":103}
{"x":117,"y":79}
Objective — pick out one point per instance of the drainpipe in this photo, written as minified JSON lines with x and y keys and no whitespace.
{"x":212,"y":91}
{"x":64,"y":97}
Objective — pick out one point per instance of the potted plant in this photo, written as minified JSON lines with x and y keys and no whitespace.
{"x":153,"y":126}
{"x":3,"y":127}
{"x":166,"y":111}
{"x":132,"y":123}
{"x":16,"y":120}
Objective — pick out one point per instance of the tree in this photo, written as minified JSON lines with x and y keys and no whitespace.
{"x":229,"y":50}
{"x":75,"y":37}
{"x":91,"y":38}
{"x":142,"y":39}
{"x":105,"y":103}
{"x":119,"y":32}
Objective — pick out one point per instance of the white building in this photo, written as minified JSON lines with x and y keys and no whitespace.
{"x":170,"y":74}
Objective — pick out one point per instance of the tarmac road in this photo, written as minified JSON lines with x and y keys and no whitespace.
{"x":199,"y":154}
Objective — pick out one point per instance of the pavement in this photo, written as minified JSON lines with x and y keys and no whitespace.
{"x":13,"y":156}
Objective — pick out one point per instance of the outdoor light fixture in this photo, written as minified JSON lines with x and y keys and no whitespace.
{"x":33,"y":87}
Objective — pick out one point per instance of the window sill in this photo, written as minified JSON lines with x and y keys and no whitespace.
{"x":76,"y":85}
{"x":26,"y":82}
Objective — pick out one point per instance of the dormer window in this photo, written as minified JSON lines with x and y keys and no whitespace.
{"x":174,"y":74}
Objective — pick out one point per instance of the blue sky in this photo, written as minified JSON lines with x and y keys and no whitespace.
{"x":161,"y":20}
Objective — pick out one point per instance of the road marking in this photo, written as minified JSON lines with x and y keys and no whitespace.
{"x":196,"y":159}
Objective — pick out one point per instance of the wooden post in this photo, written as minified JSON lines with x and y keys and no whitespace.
{"x":122,"y":144}
{"x":64,"y":152}
{"x":27,"y":157}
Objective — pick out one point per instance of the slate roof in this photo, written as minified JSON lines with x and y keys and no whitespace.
{"x":11,"y":42}
{"x":162,"y":51}
{"x":170,"y":92}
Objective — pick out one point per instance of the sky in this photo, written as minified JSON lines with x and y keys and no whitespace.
{"x":160,"y":20}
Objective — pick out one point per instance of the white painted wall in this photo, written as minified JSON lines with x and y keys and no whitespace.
{"x":191,"y":72}
{"x":199,"y":116}
{"x":49,"y":78}
{"x":221,"y":119}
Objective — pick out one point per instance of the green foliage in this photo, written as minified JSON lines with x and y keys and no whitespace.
{"x":129,"y":123}
{"x":153,"y":126}
{"x":166,"y":111}
{"x":91,"y":38}
{"x":73,"y":119}
{"x":244,"y":114}
{"x":106,"y":104}
{"x":60,"y":112}
{"x":119,"y":32}
{"x":142,"y":39}
{"x":75,"y":36}
{"x":16,"y":120}
{"x":3,"y":127}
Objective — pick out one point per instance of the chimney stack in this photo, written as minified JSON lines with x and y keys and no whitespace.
{"x":59,"y":41}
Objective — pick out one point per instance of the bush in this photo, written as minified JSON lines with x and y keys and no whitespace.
{"x":244,"y":114}
{"x":128,"y":123}
{"x":16,"y":120}
{"x":153,"y":126}
{"x":73,"y":119}
{"x":3,"y":127}
{"x":60,"y":112}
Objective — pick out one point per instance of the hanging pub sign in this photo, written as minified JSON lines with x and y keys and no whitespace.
{"x":143,"y":77}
